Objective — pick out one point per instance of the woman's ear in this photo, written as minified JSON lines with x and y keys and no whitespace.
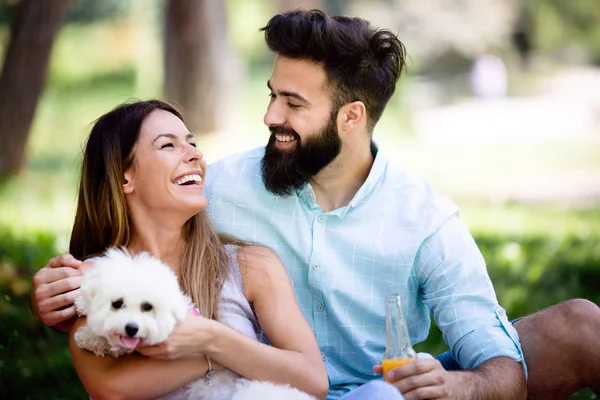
{"x":128,"y":181}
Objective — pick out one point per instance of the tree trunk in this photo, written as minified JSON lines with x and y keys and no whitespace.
{"x":32,"y":34}
{"x":196,"y":60}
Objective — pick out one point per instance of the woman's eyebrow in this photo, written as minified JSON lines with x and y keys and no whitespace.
{"x":171,"y":136}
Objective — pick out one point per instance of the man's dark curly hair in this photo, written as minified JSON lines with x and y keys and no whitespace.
{"x":361,"y":63}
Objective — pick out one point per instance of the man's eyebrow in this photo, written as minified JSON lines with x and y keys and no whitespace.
{"x":286,"y":93}
{"x":171,"y":136}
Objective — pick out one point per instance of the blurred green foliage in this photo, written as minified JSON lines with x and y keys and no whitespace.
{"x":34,"y":360}
{"x":80,"y":11}
{"x":564,"y":23}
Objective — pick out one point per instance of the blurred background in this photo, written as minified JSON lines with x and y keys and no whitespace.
{"x":500,"y":110}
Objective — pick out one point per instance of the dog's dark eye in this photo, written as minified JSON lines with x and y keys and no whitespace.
{"x":146,"y":307}
{"x":117,"y":304}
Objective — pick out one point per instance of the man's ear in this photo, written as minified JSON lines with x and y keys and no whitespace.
{"x":128,"y":181}
{"x":352,"y":115}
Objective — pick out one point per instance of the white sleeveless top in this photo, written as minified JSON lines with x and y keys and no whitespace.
{"x":234,"y":309}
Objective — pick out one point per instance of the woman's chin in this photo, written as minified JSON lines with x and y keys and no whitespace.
{"x":194,"y":207}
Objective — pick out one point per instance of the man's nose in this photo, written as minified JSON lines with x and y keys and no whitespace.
{"x":274,"y":116}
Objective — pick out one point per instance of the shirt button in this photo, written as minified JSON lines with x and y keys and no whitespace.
{"x":315,"y":266}
{"x":324,"y":357}
{"x":320,"y":307}
{"x":320,"y":219}
{"x":310,"y":195}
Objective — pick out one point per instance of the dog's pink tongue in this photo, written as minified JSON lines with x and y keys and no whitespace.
{"x":130,"y":342}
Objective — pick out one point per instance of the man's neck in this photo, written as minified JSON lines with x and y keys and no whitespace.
{"x":336,"y":185}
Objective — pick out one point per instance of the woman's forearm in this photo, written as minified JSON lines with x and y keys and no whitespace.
{"x":254,"y":360}
{"x":133,"y":376}
{"x":141,"y":378}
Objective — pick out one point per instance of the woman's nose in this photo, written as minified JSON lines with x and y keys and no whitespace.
{"x":194,"y":154}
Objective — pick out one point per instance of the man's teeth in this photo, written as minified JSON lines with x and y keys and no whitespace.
{"x":194,"y":178}
{"x":285,"y":138}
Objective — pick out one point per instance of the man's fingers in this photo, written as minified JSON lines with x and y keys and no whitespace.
{"x":64,"y":260}
{"x":58,"y":316}
{"x":45,"y":291}
{"x":378,"y":369}
{"x":417,"y":367}
{"x":49,"y":275}
{"x":58,"y":302}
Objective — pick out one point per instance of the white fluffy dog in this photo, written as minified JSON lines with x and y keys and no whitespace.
{"x":136,"y":300}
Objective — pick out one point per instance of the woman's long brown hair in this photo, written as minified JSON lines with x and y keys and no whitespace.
{"x":102,"y":218}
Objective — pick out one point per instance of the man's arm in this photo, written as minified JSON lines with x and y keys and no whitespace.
{"x":55,"y":287}
{"x":499,"y":378}
{"x":457,"y":289}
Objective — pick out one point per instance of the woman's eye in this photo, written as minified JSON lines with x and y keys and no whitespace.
{"x":193,"y":144}
{"x":166,"y":145}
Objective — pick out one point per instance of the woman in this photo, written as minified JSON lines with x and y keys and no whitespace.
{"x":141,"y":187}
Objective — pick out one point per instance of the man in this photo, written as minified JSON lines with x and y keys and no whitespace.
{"x":352,"y":228}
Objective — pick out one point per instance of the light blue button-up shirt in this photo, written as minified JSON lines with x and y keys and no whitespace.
{"x":395,"y":236}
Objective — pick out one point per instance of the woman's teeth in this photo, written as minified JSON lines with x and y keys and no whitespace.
{"x":194,"y":179}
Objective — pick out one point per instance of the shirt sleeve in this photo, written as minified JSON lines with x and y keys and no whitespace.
{"x":211,"y":177}
{"x":459,"y":293}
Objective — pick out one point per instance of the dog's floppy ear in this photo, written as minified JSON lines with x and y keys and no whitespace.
{"x":89,"y":289}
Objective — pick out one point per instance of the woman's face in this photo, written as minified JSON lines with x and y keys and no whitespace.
{"x":168,"y":170}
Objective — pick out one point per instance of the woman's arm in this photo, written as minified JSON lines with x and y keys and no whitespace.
{"x":294,"y":356}
{"x":132,"y":376}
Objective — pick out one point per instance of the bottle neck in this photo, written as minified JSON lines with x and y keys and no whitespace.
{"x":397,"y":339}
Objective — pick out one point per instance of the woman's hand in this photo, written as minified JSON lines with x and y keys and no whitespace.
{"x":188,"y":339}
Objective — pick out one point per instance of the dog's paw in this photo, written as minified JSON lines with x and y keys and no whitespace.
{"x":80,"y":306}
{"x":85,"y":339}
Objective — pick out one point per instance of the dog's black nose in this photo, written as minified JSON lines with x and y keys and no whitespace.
{"x":131,"y":329}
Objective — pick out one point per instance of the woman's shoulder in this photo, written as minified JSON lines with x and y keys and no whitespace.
{"x":253,"y":257}
{"x":260,"y":268}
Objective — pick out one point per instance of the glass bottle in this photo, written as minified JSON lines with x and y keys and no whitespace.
{"x":398,"y":350}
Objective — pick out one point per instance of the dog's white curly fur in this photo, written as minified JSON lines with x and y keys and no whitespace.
{"x":123,"y":289}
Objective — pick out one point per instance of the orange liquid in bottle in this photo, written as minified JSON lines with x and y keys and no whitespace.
{"x":389,"y":365}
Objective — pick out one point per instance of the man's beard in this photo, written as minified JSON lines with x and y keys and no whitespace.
{"x":285,"y":171}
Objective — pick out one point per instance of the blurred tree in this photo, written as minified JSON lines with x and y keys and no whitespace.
{"x":86,"y":11}
{"x":196,"y":60}
{"x":522,"y":34}
{"x":563,"y":24}
{"x":32,"y":33}
{"x":443,"y":37}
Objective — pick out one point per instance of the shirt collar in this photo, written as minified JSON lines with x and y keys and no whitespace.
{"x":373,"y":180}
